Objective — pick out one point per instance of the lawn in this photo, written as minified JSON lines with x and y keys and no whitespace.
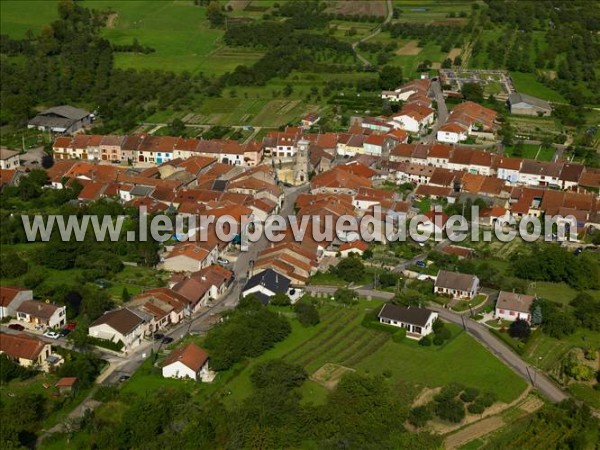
{"x":341,"y":339}
{"x":527,"y":83}
{"x":16,"y":16}
{"x":545,"y":352}
{"x":556,"y":292}
{"x":462,"y":360}
{"x":531,"y":151}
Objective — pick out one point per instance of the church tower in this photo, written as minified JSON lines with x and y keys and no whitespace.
{"x":301,"y":162}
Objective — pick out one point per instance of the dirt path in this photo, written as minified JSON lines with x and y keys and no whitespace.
{"x":390,"y":15}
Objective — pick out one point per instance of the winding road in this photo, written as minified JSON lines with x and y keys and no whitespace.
{"x":375,"y":32}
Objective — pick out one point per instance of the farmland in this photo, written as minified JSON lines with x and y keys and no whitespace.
{"x":341,"y":339}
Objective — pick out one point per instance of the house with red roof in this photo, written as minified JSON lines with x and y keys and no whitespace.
{"x":189,"y":361}
{"x":11,"y":297}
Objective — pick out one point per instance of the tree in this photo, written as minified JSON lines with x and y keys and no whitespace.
{"x":12,"y":265}
{"x":278,"y":372}
{"x":451,"y":410}
{"x":177,"y":127}
{"x":458,"y":61}
{"x":307,"y":314}
{"x":447,"y":63}
{"x":536,"y":314}
{"x":390,"y":77}
{"x":519,"y":329}
{"x":280,"y":299}
{"x":350,"y":269}
{"x":287,"y":90}
{"x":420,"y":415}
{"x":215,"y":14}
{"x":473,"y":92}
{"x":125,"y":295}
{"x":345,"y":296}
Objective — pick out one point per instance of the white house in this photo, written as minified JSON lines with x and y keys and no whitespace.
{"x":11,"y":298}
{"x":453,"y":133}
{"x":266,"y":284}
{"x":418,"y":322}
{"x":122,"y":325}
{"x":9,"y":159}
{"x":189,"y":361}
{"x":512,"y":306}
{"x":458,"y":285}
{"x":42,"y":314}
{"x":188,"y":257}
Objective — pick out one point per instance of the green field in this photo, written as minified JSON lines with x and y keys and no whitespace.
{"x":533,"y":151}
{"x":340,"y":338}
{"x":526,"y":83}
{"x":177,"y":30}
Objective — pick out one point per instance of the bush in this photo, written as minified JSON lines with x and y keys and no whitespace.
{"x":280,"y":299}
{"x":419,"y":416}
{"x":469,"y":394}
{"x":425,"y":341}
{"x":278,"y":372}
{"x":475,"y":408}
{"x":307,"y":314}
{"x":449,"y":391}
{"x":400,"y":335}
{"x":519,"y":329}
{"x":12,"y":266}
{"x":444,"y":333}
{"x":487,"y":399}
{"x":105,"y":343}
{"x":438,"y":340}
{"x":450,"y":409}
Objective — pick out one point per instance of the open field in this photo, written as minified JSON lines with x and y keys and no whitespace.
{"x":16,"y":16}
{"x":526,"y":83}
{"x":410,"y":49}
{"x":533,"y":151}
{"x":412,"y":56}
{"x":359,"y":7}
{"x":462,"y":360}
{"x":427,"y":11}
{"x":340,"y":342}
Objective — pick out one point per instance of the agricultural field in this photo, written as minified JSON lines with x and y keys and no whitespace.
{"x":532,"y":151}
{"x":340,"y":343}
{"x":427,"y":11}
{"x":526,"y":83}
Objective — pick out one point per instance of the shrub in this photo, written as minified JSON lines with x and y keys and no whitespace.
{"x":476,"y":408}
{"x":444,"y":333}
{"x":278,"y":372}
{"x":307,"y":314}
{"x":425,"y":341}
{"x":449,"y":391}
{"x":419,"y":416}
{"x":469,"y":394}
{"x":280,"y":299}
{"x":438,"y":340}
{"x":487,"y":399}
{"x":519,"y":329}
{"x":450,"y":409}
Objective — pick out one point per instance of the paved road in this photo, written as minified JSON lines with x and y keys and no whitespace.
{"x":390,"y":15}
{"x":442,"y":111}
{"x":506,"y":355}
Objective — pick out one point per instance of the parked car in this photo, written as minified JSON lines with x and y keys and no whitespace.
{"x":421,"y":264}
{"x":16,"y":326}
{"x":64,"y":332}
{"x":167,"y":340}
{"x":70,"y":326}
{"x":124,"y":378}
{"x":52,"y":334}
{"x":222,"y":261}
{"x":158,"y":336}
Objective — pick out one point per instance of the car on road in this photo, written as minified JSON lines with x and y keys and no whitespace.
{"x":124,"y":378}
{"x":222,"y":260}
{"x":16,"y":326}
{"x":158,"y":336}
{"x":167,"y":340}
{"x":52,"y":334}
{"x":64,"y":332}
